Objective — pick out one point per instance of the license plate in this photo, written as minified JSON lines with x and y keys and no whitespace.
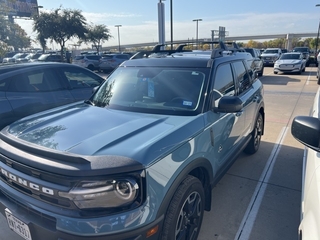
{"x":18,"y":226}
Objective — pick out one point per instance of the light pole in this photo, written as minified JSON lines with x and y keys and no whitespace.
{"x":118,"y":26}
{"x":197,"y":26}
{"x":171,"y":22}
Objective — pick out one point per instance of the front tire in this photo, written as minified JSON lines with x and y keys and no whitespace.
{"x":255,"y":140}
{"x":185,"y":212}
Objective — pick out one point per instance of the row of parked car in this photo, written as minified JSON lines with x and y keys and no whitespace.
{"x":295,"y":61}
{"x":105,"y":63}
{"x":31,"y":57}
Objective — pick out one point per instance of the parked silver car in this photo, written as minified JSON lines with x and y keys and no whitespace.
{"x":111,"y":61}
{"x":87,"y":61}
{"x":292,"y":62}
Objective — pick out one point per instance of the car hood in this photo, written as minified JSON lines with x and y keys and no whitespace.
{"x":87,"y":130}
{"x":289,"y":61}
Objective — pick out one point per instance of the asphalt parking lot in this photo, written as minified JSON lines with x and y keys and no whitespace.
{"x":259,"y":197}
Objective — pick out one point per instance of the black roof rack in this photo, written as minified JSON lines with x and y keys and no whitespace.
{"x":216,"y":52}
{"x":157,"y":50}
{"x":223,"y":47}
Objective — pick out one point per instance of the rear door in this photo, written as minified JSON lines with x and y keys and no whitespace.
{"x":36,"y":90}
{"x":248,"y":93}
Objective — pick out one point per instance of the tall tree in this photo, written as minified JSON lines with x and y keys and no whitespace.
{"x":97,"y":34}
{"x":60,"y":25}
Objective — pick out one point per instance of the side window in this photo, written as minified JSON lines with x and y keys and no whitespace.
{"x":223,"y":81}
{"x":34,"y":81}
{"x":79,"y":78}
{"x":241,"y":76}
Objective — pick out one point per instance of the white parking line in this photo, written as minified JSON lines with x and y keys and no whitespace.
{"x":250,"y":215}
{"x":308,"y":80}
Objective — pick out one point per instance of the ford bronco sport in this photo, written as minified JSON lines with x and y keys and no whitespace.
{"x":139,"y":159}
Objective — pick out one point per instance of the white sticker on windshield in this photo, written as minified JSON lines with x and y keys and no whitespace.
{"x":187,"y":103}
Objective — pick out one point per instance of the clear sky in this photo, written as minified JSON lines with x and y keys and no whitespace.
{"x":139,"y":18}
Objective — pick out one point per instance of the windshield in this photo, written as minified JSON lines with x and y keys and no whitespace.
{"x":301,"y":49}
{"x":153,"y":90}
{"x":290,"y":56}
{"x":271,"y":51}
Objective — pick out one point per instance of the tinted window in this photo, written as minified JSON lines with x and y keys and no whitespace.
{"x":78,"y":57}
{"x":35,"y":81}
{"x":224,"y":80}
{"x":93,"y":57}
{"x":250,"y":50}
{"x":79,"y":78}
{"x":242,"y":76}
{"x":107,"y":56}
{"x":123,"y":56}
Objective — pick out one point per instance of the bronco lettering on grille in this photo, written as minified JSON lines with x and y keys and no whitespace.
{"x":23,"y":182}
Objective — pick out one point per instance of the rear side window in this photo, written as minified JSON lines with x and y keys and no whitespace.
{"x":107,"y":57}
{"x":34,"y":81}
{"x":224,"y":80}
{"x":93,"y":57}
{"x":241,"y":75}
{"x":123,"y":56}
{"x":78,"y":57}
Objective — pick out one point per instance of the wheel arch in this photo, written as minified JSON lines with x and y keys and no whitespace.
{"x":200,"y":168}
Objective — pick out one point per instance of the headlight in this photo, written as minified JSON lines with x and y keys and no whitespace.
{"x":297,"y":65}
{"x":103,"y":194}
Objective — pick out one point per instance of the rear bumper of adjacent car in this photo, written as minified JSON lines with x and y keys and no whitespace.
{"x":48,"y":225}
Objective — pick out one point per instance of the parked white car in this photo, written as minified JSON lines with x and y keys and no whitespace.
{"x":292,"y":62}
{"x":306,"y":129}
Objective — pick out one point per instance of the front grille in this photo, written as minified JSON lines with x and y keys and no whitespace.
{"x":35,"y":183}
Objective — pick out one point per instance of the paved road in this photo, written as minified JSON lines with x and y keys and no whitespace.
{"x":259,"y":197}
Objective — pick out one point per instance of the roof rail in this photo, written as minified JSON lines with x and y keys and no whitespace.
{"x":224,"y":46}
{"x":157,"y":50}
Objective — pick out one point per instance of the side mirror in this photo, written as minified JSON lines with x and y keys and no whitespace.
{"x":307,"y":131}
{"x":229,"y":104}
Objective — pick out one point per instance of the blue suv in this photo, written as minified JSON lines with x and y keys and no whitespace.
{"x":139,"y":159}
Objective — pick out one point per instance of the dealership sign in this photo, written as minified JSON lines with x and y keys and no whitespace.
{"x":19,"y":8}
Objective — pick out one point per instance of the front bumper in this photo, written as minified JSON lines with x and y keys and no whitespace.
{"x":50,"y":226}
{"x":287,"y":70}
